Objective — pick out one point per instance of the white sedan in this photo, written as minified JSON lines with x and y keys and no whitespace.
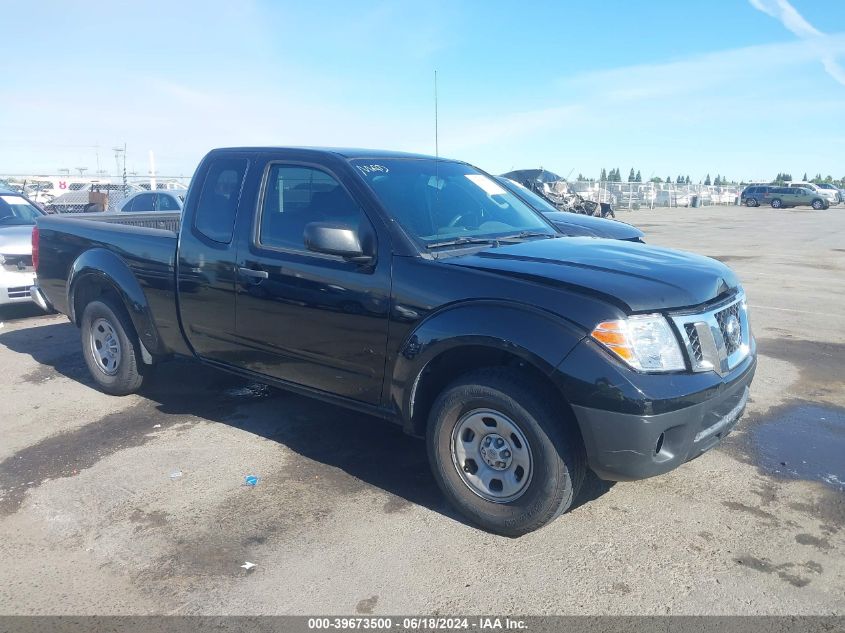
{"x":17,"y":217}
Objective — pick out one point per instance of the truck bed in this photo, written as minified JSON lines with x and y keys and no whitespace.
{"x":169,"y":221}
{"x":144,"y":242}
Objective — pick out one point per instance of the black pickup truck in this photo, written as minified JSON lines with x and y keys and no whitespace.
{"x":420,"y":290}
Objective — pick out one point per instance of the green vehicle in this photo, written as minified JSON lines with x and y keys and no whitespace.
{"x":781,"y":197}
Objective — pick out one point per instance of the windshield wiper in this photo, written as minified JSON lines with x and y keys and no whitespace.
{"x":522,"y":235}
{"x":461,"y":241}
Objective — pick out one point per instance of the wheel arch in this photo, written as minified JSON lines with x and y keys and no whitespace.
{"x":480,"y":334}
{"x":101,"y":273}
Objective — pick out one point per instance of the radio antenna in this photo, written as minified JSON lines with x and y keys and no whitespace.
{"x":436,"y":139}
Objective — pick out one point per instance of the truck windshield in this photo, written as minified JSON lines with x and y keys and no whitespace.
{"x":15,"y":210}
{"x":439,"y":201}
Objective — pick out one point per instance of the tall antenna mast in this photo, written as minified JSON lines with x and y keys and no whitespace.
{"x":436,"y":140}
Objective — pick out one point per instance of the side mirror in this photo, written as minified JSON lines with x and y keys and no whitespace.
{"x":335,"y":239}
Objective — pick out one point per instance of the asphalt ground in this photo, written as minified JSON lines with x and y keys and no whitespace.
{"x":138,"y":505}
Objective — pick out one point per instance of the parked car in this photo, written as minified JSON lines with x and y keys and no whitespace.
{"x":521,"y":355}
{"x":171,"y":200}
{"x":831,"y":195}
{"x":17,"y":218}
{"x":573,"y":224}
{"x":526,"y":177}
{"x":782,"y":197}
{"x":753,"y":195}
{"x":837,"y":197}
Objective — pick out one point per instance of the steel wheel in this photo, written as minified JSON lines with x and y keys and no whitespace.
{"x":491,"y":455}
{"x":105,"y":346}
{"x":776,"y":203}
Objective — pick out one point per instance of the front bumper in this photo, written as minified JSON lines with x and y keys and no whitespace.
{"x":15,"y":285}
{"x":643,"y":428}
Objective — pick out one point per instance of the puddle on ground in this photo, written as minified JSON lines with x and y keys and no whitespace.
{"x":802,"y":441}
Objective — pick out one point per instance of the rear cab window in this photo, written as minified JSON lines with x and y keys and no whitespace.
{"x":218,"y":203}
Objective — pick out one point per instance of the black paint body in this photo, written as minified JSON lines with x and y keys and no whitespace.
{"x":364,"y":335}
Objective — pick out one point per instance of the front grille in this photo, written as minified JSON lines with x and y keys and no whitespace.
{"x":723,"y":318}
{"x":717,"y":339}
{"x":694,"y":341}
{"x":18,"y":292}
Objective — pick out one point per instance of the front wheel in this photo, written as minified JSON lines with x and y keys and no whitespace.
{"x":818,"y":204}
{"x":502,"y":453}
{"x":777,"y":203}
{"x":750,"y":202}
{"x":110,"y":348}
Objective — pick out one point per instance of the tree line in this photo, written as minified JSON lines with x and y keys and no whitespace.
{"x":614,"y":175}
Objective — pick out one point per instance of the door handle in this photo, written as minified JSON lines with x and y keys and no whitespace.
{"x":254,"y":275}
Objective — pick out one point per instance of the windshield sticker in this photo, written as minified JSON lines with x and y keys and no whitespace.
{"x":372,"y":169}
{"x":13,"y":199}
{"x":488,"y":186}
{"x":436,"y":183}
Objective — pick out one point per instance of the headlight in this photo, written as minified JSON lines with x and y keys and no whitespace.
{"x":645,"y":342}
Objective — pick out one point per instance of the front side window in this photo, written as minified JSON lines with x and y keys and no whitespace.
{"x":296,"y":196}
{"x":218,"y":204}
{"x":437,"y":201}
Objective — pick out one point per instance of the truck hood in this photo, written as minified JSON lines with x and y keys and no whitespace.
{"x":578,"y":224}
{"x":638,"y":277}
{"x":16,"y":240}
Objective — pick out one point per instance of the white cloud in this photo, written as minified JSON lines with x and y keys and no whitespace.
{"x":788,"y":15}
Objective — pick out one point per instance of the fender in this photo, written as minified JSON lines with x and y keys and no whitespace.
{"x":539,"y":337}
{"x":109,"y":269}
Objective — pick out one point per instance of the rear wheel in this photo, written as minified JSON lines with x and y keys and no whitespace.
{"x":818,"y":204}
{"x":502,"y":453}
{"x":777,"y":203}
{"x":750,"y":202}
{"x":110,"y":348}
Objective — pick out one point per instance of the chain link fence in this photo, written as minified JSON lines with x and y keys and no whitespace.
{"x":62,"y":193}
{"x":649,"y":195}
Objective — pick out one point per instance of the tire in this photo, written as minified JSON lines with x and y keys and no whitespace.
{"x":534,"y":428}
{"x":750,"y":202}
{"x":818,"y":204}
{"x":105,"y":326}
{"x":777,"y":203}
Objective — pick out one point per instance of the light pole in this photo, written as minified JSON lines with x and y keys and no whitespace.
{"x":117,"y":151}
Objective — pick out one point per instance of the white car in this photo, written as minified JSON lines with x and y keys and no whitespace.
{"x":17,"y":217}
{"x":826,"y":186}
{"x":831,"y":195}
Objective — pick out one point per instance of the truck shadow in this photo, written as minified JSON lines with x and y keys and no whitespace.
{"x":359,"y":450}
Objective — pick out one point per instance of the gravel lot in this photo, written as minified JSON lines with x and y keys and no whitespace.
{"x":346,"y":517}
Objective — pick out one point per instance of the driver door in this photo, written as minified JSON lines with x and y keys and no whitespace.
{"x":309,"y":318}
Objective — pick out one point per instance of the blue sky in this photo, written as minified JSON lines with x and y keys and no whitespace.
{"x":745,"y":88}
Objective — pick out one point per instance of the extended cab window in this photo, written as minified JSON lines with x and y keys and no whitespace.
{"x":215,"y":215}
{"x":296,"y":196}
